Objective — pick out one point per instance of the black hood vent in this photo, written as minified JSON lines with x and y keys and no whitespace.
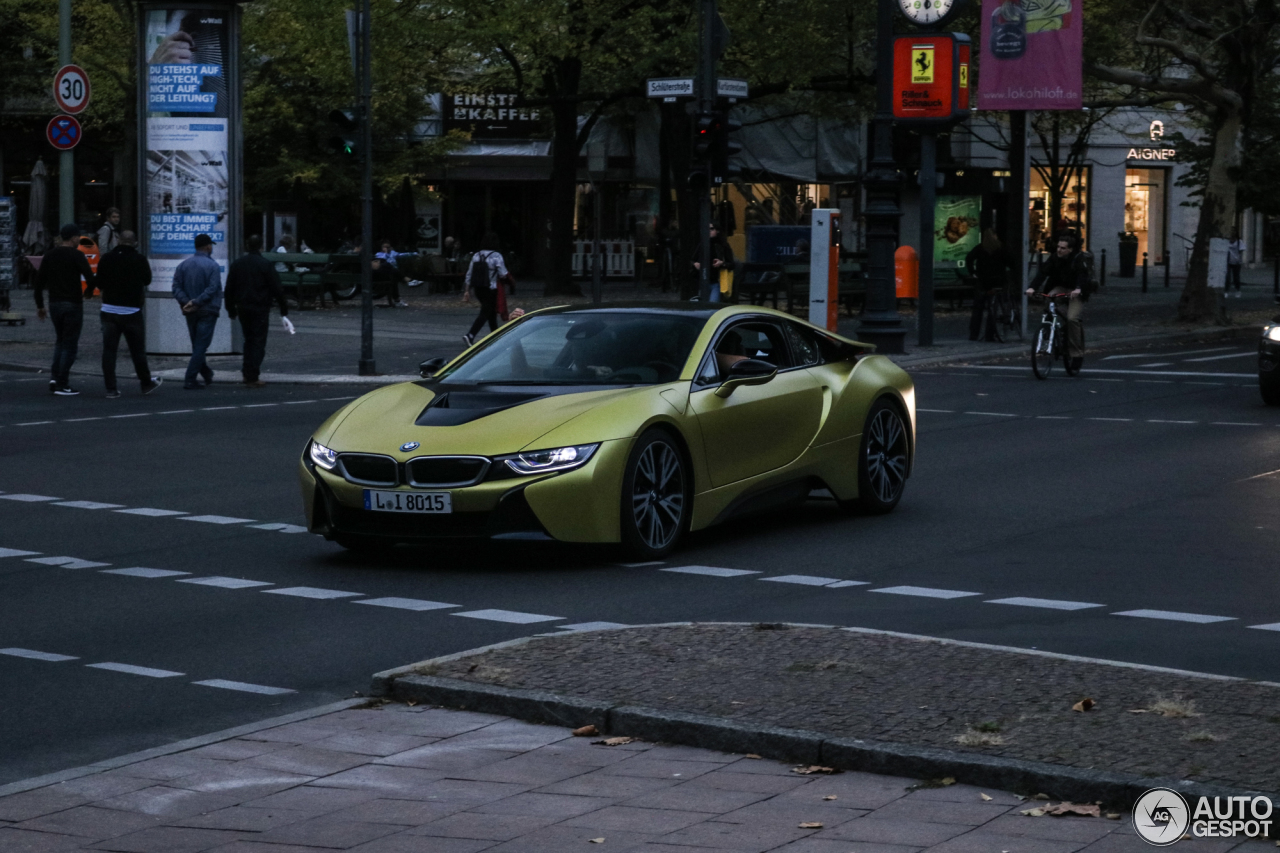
{"x":458,"y":406}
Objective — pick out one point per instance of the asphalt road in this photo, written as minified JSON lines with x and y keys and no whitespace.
{"x":1128,"y":514}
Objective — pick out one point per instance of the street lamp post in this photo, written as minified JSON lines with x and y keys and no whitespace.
{"x":881,"y":323}
{"x":367,"y":365}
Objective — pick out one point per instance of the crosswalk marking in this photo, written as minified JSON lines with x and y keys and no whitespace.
{"x":67,"y":562}
{"x":925,"y":592}
{"x":243,"y":687}
{"x":149,"y":511}
{"x":15,"y":552}
{"x":28,"y":498}
{"x":1251,"y":353}
{"x":1175,"y":616}
{"x":711,"y":571}
{"x":34,"y":655}
{"x":140,"y":572}
{"x":130,"y":669}
{"x":1049,"y":603}
{"x":1274,"y":626}
{"x":217,"y":519}
{"x":406,"y":603}
{"x":311,"y":592}
{"x":513,"y":616}
{"x":803,"y":580}
{"x":87,"y":505}
{"x":225,"y":583}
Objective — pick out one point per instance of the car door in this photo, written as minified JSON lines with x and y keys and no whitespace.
{"x":757,"y":428}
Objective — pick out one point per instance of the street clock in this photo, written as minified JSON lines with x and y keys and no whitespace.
{"x":930,"y":13}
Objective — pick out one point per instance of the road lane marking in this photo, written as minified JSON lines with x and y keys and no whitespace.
{"x":1174,"y":616}
{"x":130,"y":669}
{"x":591,"y":626}
{"x":1158,"y":421}
{"x":406,"y":603}
{"x":1220,"y":357}
{"x":243,"y":687}
{"x":34,"y":655}
{"x":843,"y":584}
{"x":130,"y":415}
{"x":140,"y":572}
{"x":1232,"y":423}
{"x":1157,"y":364}
{"x":87,"y":505}
{"x":924,"y":592}
{"x":938,"y":411}
{"x":1167,"y":354}
{"x":34,"y":423}
{"x":225,"y":583}
{"x":299,"y":402}
{"x":217,"y":519}
{"x":67,"y":562}
{"x":1124,"y":420}
{"x":280,"y":528}
{"x":803,"y":580}
{"x":258,"y":405}
{"x":514,"y":617}
{"x":15,"y":552}
{"x":28,"y":498}
{"x":1274,"y":626}
{"x":176,"y":412}
{"x":1048,"y":603}
{"x":642,"y":565}
{"x":711,"y":571}
{"x":1053,"y":417}
{"x":218,"y":408}
{"x":993,"y":414}
{"x":148,"y":511}
{"x":311,"y":592}
{"x":82,"y":420}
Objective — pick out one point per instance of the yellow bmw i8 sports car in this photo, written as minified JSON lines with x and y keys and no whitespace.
{"x":615,"y":423}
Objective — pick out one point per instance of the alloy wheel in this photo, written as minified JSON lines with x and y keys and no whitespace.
{"x":657,"y":495}
{"x":886,"y":455}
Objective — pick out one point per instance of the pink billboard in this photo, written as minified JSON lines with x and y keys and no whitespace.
{"x":1030,"y":55}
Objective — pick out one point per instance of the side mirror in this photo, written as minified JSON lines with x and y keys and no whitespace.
{"x":430,"y":366}
{"x":748,"y":371}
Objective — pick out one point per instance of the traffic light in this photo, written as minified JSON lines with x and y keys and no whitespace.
{"x":723,"y":146}
{"x":346,"y":129}
{"x":704,"y":137}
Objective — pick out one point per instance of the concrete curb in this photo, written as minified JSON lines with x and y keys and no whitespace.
{"x":783,"y":744}
{"x":175,"y":747}
{"x":177,"y":373}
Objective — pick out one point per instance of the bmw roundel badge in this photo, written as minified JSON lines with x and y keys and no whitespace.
{"x":408,"y":445}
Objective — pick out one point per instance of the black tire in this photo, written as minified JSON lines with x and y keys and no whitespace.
{"x":1269,"y":386}
{"x":1042,"y":354}
{"x":345,"y":293}
{"x":883,"y":459}
{"x":657,"y":495}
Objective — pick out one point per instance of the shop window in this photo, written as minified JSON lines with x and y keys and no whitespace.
{"x":1075,"y":209}
{"x":1145,"y":193}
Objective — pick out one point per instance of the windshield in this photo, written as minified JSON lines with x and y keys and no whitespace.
{"x":595,"y":348}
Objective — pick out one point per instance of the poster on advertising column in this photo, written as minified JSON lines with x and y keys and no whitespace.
{"x":187,"y":174}
{"x":956,"y":221}
{"x":1031,"y":55}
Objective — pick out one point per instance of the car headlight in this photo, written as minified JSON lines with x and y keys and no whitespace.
{"x":323,"y":456}
{"x":1272,"y":333}
{"x":555,"y":459}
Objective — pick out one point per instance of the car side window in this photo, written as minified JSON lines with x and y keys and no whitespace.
{"x":804,"y":345}
{"x":763,"y":341}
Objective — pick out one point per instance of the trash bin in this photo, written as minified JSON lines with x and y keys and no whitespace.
{"x":1128,"y":257}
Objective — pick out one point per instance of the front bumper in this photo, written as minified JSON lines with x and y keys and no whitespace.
{"x":582,"y":505}
{"x":1269,"y":359}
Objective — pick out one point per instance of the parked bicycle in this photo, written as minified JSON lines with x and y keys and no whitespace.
{"x":1051,"y":340}
{"x":1003,"y":316}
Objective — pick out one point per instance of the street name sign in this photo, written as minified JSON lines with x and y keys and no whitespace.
{"x":63,"y":132}
{"x":71,"y":89}
{"x":730,"y":87}
{"x":670,"y":87}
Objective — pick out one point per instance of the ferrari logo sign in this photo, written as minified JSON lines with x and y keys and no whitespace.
{"x":922,"y":64}
{"x":964,"y":76}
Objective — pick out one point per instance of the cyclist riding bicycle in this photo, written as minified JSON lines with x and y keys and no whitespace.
{"x":991,"y":265}
{"x":1065,"y":275}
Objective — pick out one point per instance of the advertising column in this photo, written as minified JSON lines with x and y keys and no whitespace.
{"x":189,"y":145}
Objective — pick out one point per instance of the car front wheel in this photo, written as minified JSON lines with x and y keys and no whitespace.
{"x":882,"y":459}
{"x":655,"y":495}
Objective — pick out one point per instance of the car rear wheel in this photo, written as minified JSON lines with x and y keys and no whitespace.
{"x":655,"y":495}
{"x":882,"y":459}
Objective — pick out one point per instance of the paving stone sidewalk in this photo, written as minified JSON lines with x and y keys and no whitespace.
{"x":399,"y":779}
{"x":879,"y":687}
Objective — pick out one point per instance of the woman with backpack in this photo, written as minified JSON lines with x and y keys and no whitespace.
{"x":486,"y":269}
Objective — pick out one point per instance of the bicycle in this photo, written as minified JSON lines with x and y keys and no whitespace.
{"x":1051,"y":341}
{"x":1004,"y":316}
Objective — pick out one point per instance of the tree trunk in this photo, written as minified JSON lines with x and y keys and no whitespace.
{"x":1217,"y":216}
{"x":564,"y":179}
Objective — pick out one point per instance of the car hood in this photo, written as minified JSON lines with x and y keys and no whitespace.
{"x":455,"y":420}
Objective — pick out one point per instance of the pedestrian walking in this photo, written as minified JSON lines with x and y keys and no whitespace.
{"x":61,"y":270}
{"x":109,"y":233}
{"x":990,"y":266}
{"x":197,"y":285}
{"x":252,"y":285}
{"x":1235,"y":254}
{"x":123,"y":277}
{"x":722,"y":267}
{"x":487,"y":266}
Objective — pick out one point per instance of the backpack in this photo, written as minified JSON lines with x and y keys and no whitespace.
{"x":1084,"y":261}
{"x":480,"y":272}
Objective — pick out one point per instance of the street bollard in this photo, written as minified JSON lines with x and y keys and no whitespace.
{"x":1144,"y":272}
{"x":1102,"y":273}
{"x":1166,"y":269}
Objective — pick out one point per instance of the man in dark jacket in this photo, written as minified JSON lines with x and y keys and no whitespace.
{"x":252,"y":285}
{"x":123,"y":277}
{"x":60,"y":272}
{"x":1064,"y":275}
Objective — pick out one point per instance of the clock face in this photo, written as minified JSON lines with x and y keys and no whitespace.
{"x":926,"y":11}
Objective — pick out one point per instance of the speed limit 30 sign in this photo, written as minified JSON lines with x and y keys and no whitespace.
{"x":71,"y":89}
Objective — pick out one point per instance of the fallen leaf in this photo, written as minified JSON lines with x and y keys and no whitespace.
{"x":1116,"y":816}
{"x":737,"y":703}
{"x":412,"y":703}
{"x":596,"y":840}
{"x":948,"y":780}
{"x":1064,"y":808}
{"x":1139,"y":711}
{"x":586,"y":731}
{"x":613,"y":741}
{"x":752,"y":755}
{"x":829,"y":797}
{"x":985,"y":797}
{"x":811,"y":824}
{"x":812,"y":768}
{"x":1040,"y":797}
{"x":1083,"y":705}
{"x":1033,"y":812}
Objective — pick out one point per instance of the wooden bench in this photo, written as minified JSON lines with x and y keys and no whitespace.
{"x":303,"y":280}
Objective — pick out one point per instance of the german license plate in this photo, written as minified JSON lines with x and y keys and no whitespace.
{"x":433,"y":502}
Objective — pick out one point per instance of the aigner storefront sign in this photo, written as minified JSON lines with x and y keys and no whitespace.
{"x":1152,"y":153}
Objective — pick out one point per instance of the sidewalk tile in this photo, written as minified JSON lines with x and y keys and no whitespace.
{"x":166,"y":802}
{"x":90,"y":822}
{"x":267,"y":847}
{"x":695,"y":797}
{"x":1062,"y":829}
{"x":792,"y":813}
{"x":446,"y":756}
{"x":493,"y":827}
{"x":41,"y":801}
{"x":581,"y":750}
{"x":468,"y":791}
{"x":562,"y":838}
{"x":236,"y":750}
{"x":966,"y":794}
{"x":1117,"y":843}
{"x":168,"y":767}
{"x":819,"y":845}
{"x":301,"y":732}
{"x":240,"y":780}
{"x":399,"y":812}
{"x":312,"y":798}
{"x":327,"y":832}
{"x":736,"y":837}
{"x":941,"y":811}
{"x":853,"y":790}
{"x":99,"y":785}
{"x":693,"y":753}
{"x":307,"y":761}
{"x":406,"y":781}
{"x":405,"y":843}
{"x":170,"y":839}
{"x":981,"y":841}
{"x":511,"y":735}
{"x":653,"y":765}
{"x":26,"y":841}
{"x":540,"y":804}
{"x":760,"y":767}
{"x":629,"y":819}
{"x":525,"y":770}
{"x":727,"y":780}
{"x":597,"y":784}
{"x":911,"y":833}
{"x":247,"y":818}
{"x":430,"y":722}
{"x":660,"y":847}
{"x":373,"y":742}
